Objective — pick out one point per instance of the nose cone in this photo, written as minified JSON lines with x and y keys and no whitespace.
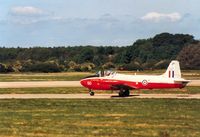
{"x":83,"y":82}
{"x":86,"y":83}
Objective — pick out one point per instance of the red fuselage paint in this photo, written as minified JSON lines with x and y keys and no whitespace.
{"x":107,"y":84}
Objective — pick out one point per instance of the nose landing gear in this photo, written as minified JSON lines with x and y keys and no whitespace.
{"x":91,"y":92}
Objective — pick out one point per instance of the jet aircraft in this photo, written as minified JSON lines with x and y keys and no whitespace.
{"x":109,"y":80}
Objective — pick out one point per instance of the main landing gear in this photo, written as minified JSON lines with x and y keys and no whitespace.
{"x":91,"y":92}
{"x":124,"y":93}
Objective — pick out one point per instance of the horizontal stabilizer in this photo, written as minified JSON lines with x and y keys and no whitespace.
{"x":182,"y":80}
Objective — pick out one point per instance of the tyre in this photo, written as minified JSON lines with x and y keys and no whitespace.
{"x":121,"y":93}
{"x":126,"y":92}
{"x":91,"y":93}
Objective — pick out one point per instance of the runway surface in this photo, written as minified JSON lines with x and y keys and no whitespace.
{"x":97,"y":96}
{"x":57,"y":84}
{"x":31,"y":84}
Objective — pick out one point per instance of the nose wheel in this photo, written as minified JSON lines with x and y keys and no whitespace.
{"x":91,"y":92}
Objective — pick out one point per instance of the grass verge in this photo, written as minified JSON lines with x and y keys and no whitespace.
{"x":68,"y":76}
{"x":114,"y":117}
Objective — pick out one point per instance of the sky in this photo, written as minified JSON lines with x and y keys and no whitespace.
{"x":29,"y":23}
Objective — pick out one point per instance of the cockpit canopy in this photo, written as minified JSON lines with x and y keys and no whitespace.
{"x":102,"y":73}
{"x":105,"y":73}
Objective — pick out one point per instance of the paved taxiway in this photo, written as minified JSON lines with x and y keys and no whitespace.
{"x":57,"y":84}
{"x":97,"y":96}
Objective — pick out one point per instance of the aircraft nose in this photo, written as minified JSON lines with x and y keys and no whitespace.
{"x":83,"y":82}
{"x":86,"y":83}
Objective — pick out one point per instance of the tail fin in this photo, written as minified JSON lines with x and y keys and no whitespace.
{"x":173,"y":70}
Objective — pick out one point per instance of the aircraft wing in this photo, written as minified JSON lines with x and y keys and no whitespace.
{"x":122,"y":86}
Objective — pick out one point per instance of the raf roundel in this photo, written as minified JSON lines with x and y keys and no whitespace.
{"x":144,"y":82}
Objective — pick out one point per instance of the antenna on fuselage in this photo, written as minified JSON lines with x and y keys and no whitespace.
{"x":102,"y":72}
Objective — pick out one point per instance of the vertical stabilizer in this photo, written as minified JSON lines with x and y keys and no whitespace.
{"x":173,"y":70}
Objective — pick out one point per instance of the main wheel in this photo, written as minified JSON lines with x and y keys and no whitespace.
{"x":126,"y":92}
{"x":121,"y":93}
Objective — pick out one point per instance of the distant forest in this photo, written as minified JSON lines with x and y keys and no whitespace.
{"x":152,"y":53}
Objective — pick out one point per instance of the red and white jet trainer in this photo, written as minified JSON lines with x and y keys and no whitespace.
{"x":107,"y":80}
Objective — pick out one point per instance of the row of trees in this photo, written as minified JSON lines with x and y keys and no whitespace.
{"x":152,"y":53}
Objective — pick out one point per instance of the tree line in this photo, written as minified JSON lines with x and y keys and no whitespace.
{"x":152,"y":53}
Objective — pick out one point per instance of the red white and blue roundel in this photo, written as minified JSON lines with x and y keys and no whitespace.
{"x":144,"y":82}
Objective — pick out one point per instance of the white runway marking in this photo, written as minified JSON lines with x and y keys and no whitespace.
{"x":97,"y":96}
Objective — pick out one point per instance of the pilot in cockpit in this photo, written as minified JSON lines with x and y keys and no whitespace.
{"x":103,"y":73}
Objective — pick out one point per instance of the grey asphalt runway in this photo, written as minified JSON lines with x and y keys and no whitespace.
{"x":97,"y":96}
{"x":57,"y":84}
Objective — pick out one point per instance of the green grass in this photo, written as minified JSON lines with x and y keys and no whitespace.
{"x":114,"y":117}
{"x":70,"y":90}
{"x":68,"y":76}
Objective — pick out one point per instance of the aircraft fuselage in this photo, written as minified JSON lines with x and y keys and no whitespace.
{"x":134,"y":81}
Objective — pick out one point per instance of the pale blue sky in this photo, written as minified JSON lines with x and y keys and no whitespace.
{"x":95,"y":22}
